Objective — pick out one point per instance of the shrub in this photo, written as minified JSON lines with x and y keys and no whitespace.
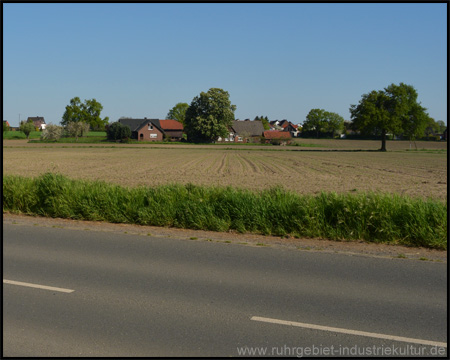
{"x":52,"y":132}
{"x":77,"y":128}
{"x":117,"y":131}
{"x":26,"y":127}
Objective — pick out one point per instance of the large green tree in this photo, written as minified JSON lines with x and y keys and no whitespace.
{"x":334,"y":123}
{"x":319,"y":120}
{"x":88,"y":112}
{"x":209,"y":116}
{"x":392,"y":110}
{"x":178,"y":112}
{"x":315,"y":121}
{"x":442,"y":126}
{"x":433,"y":127}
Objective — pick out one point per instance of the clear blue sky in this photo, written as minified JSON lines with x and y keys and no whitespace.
{"x":276,"y":60}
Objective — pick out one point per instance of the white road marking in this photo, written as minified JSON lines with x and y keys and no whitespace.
{"x":350,"y":332}
{"x":51,"y":288}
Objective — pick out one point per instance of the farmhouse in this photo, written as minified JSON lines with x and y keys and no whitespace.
{"x":38,"y":122}
{"x":290,"y":127}
{"x":244,"y":131}
{"x":172,"y":129}
{"x":277,"y":137}
{"x":144,"y":129}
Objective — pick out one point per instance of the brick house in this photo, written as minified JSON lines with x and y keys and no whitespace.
{"x":144,"y":129}
{"x":172,"y":128}
{"x":277,"y":136}
{"x":38,"y":121}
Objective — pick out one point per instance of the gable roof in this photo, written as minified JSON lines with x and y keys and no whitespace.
{"x":171,"y":124}
{"x":36,"y":119}
{"x":276,"y":134}
{"x":137,"y":124}
{"x":252,"y":128}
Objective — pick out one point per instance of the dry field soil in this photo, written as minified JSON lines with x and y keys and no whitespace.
{"x":331,"y":165}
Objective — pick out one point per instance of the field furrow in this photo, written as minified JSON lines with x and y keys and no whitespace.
{"x":417,"y":174}
{"x":251,"y":166}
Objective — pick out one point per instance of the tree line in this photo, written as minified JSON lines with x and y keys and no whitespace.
{"x":393,"y":110}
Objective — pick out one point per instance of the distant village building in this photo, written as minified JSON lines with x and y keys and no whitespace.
{"x":285,"y":125}
{"x":173,"y":129}
{"x":144,"y":129}
{"x":38,"y":121}
{"x":153,"y":129}
{"x":244,"y":131}
{"x":277,"y":137}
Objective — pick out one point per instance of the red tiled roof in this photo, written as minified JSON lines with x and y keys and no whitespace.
{"x":171,"y":125}
{"x":276,"y":134}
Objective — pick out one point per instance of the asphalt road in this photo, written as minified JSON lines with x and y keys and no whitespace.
{"x":142,"y":296}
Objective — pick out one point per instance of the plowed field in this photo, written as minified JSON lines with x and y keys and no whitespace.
{"x":418,"y":174}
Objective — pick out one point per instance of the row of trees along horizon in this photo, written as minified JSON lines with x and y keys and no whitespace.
{"x":379,"y":113}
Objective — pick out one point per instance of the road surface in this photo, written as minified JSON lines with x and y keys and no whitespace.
{"x":70,"y":292}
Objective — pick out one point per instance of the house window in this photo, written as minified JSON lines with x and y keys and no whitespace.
{"x":152,"y":136}
{"x":239,"y":138}
{"x":150,"y":126}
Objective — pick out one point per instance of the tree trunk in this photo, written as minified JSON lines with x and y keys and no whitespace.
{"x":383,"y":140}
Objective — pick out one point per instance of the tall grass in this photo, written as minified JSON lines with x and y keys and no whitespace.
{"x":371,"y":217}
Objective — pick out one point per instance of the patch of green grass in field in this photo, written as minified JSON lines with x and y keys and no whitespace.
{"x":96,"y":134}
{"x":19,"y":135}
{"x":307,"y":145}
{"x":373,"y":217}
{"x":429,"y":151}
{"x":81,"y":140}
{"x":90,"y":137}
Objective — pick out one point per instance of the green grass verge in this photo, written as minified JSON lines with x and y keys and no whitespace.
{"x":372,"y":217}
